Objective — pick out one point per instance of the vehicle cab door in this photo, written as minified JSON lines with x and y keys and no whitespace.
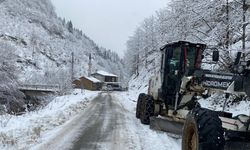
{"x":173,"y":71}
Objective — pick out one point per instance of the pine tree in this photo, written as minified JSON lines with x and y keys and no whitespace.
{"x":70,"y":27}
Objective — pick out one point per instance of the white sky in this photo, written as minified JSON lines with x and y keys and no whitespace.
{"x":108,"y":22}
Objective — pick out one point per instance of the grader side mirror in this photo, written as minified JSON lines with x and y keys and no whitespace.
{"x":216,"y":56}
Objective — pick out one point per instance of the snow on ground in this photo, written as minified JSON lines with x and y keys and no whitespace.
{"x":149,"y":139}
{"x":25,"y":131}
{"x":216,"y":102}
{"x":59,"y":119}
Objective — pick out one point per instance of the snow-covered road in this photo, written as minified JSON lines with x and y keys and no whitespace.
{"x":88,"y":121}
{"x":110,"y":126}
{"x":104,"y":123}
{"x":107,"y":124}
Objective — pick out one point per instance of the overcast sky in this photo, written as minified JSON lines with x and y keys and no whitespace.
{"x":108,"y":22}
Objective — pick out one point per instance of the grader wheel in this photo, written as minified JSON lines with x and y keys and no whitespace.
{"x":147,"y":109}
{"x":203,"y":131}
{"x":141,"y":98}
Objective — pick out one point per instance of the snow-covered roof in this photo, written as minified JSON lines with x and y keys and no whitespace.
{"x":93,"y":79}
{"x":104,"y":73}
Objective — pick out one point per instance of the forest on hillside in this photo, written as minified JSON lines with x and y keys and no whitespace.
{"x":223,"y":25}
{"x":39,"y":48}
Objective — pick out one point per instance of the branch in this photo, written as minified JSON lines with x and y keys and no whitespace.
{"x":205,"y":34}
{"x":203,"y":19}
{"x":198,"y":38}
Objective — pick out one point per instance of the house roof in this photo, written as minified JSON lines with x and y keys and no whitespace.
{"x":104,"y":73}
{"x":93,"y":79}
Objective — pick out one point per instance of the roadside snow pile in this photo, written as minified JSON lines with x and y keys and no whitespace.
{"x":216,"y":102}
{"x":139,"y":84}
{"x":127,"y":99}
{"x":142,"y":136}
{"x":20,"y":132}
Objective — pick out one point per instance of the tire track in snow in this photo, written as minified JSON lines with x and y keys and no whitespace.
{"x":106,"y":124}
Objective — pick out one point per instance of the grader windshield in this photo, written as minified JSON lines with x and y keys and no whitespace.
{"x":182,"y":58}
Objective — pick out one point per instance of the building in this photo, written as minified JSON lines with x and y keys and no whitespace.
{"x":88,"y":83}
{"x":105,"y":76}
{"x":108,"y":79}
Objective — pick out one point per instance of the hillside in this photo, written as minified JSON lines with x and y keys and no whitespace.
{"x":203,"y":22}
{"x":40,"y":44}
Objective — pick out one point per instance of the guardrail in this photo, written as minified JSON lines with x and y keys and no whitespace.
{"x":49,"y":88}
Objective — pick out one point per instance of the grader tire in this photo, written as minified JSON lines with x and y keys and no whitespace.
{"x":203,"y":131}
{"x":147,"y":109}
{"x":139,"y":103}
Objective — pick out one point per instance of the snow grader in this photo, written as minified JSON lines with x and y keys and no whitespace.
{"x":171,"y":103}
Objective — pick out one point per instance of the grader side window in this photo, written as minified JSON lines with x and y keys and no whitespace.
{"x":175,"y":60}
{"x":174,"y":65}
{"x":191,"y":57}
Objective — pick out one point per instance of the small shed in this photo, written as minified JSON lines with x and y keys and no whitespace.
{"x":77,"y":84}
{"x":88,"y":83}
{"x":105,"y":76}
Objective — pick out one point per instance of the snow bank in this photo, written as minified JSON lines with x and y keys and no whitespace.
{"x":21,"y":132}
{"x":137,"y":85}
{"x":148,"y":139}
{"x":142,"y":136}
{"x":216,"y":102}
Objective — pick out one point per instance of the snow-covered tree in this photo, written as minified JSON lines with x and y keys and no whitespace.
{"x":42,"y":45}
{"x":215,"y":23}
{"x":70,"y":26}
{"x":10,"y":97}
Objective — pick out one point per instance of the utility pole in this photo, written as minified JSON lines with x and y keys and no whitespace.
{"x":146,"y":58}
{"x":227,"y":29}
{"x":137,"y":64}
{"x":244,"y":9}
{"x":90,"y":65}
{"x":72,"y":67}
